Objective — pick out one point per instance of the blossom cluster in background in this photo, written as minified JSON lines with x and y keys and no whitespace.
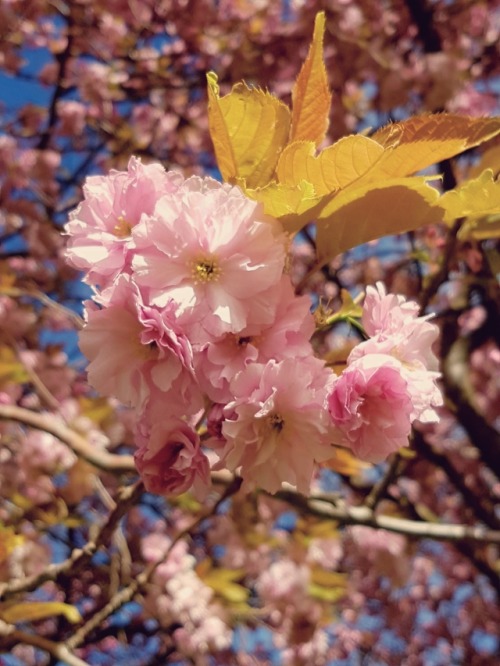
{"x":195,"y":324}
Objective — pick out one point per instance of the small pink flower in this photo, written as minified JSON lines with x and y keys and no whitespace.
{"x":370,"y":406}
{"x":276,"y":427}
{"x":213,"y":252}
{"x":398,"y":331}
{"x":395,"y":328}
{"x":100,"y":228}
{"x":170,"y":460}
{"x":138,"y":353}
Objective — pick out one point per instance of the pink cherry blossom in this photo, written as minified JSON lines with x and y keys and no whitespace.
{"x":371,"y":407}
{"x":213,"y":252}
{"x":276,"y":427}
{"x":287,"y":337}
{"x":138,"y":353}
{"x":395,"y":328}
{"x":398,"y":331}
{"x":170,"y":460}
{"x":100,"y":228}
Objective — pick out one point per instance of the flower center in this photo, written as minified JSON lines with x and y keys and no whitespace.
{"x":276,"y":421}
{"x":122,"y":228}
{"x":244,"y":341}
{"x":206,"y":269}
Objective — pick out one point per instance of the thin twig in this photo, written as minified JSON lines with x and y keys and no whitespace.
{"x":127,"y":593}
{"x":127,"y":496}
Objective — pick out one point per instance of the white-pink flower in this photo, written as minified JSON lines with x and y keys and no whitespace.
{"x":276,"y":428}
{"x":370,"y":406}
{"x":170,"y":460}
{"x":395,"y":328}
{"x":100,"y":228}
{"x":287,"y":337}
{"x":213,"y":252}
{"x":398,"y":331}
{"x":138,"y":353}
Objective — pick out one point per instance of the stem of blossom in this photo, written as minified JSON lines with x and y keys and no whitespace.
{"x":127,"y":593}
{"x":103,"y":460}
{"x":56,"y":650}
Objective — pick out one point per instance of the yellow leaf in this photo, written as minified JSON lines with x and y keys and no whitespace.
{"x":311,"y":97}
{"x":361,"y":214}
{"x":490,"y":159}
{"x":343,"y":462}
{"x":481,"y":229}
{"x":96,"y":409}
{"x":222,"y":583}
{"x":326,"y":578}
{"x":11,"y":369}
{"x":9,"y":541}
{"x":421,"y":141}
{"x":334,"y":168}
{"x":294,"y":205}
{"x":475,"y":198}
{"x":328,"y":594}
{"x":30,"y":611}
{"x":249,"y":129}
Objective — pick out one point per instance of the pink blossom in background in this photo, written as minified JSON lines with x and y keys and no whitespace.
{"x":371,"y":407}
{"x":170,"y":460}
{"x":276,"y":427}
{"x":100,"y":228}
{"x":213,"y":252}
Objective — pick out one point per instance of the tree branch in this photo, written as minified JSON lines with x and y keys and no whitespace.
{"x":57,"y":650}
{"x":107,"y":462}
{"x":363,"y":515}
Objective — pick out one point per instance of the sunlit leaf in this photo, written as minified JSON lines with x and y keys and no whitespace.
{"x":11,"y":369}
{"x":359,"y":215}
{"x":249,"y":129}
{"x":30,"y":611}
{"x":334,"y":168}
{"x":311,"y":97}
{"x":490,"y":159}
{"x":9,"y":541}
{"x":345,"y":463}
{"x":320,"y":576}
{"x":294,"y":205}
{"x":422,"y":141}
{"x":329,"y":594}
{"x":96,"y":409}
{"x":222,"y":581}
{"x":475,"y":198}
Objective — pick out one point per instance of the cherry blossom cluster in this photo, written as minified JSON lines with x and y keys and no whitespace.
{"x":195,"y":325}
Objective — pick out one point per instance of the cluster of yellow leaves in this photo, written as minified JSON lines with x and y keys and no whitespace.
{"x":358,"y":189}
